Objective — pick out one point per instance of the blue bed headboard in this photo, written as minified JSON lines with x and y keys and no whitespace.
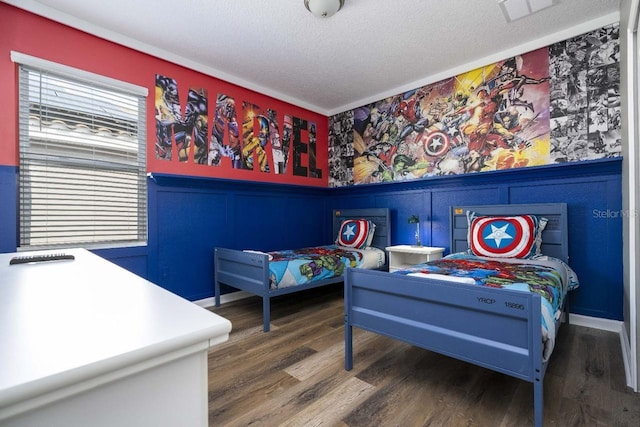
{"x":555,"y":241}
{"x":379,"y":216}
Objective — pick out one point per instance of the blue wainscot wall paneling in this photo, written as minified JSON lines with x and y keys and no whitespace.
{"x":133,"y":258}
{"x":190,"y":216}
{"x":591,"y":189}
{"x":8,"y":208}
{"x":595,"y":236}
{"x":404,"y":204}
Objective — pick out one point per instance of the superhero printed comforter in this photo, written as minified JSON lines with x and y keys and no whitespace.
{"x":301,"y":266}
{"x":547,"y":276}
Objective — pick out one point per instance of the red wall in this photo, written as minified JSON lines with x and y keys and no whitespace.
{"x":33,"y":35}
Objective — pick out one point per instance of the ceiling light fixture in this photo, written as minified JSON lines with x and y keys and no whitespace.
{"x":323,"y":8}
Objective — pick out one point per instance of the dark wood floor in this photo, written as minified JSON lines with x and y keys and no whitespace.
{"x":294,"y":376}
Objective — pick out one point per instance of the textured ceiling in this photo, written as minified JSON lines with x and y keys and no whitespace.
{"x":367,"y":51}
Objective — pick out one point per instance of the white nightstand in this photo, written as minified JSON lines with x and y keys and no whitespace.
{"x":403,"y":256}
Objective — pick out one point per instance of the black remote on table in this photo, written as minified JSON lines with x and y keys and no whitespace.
{"x":23,"y":259}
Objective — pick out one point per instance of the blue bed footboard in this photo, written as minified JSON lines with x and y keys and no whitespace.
{"x":498,"y":329}
{"x":494,"y":328}
{"x":249,"y":272}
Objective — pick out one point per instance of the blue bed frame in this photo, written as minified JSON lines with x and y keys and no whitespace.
{"x":250,"y":271}
{"x":498,"y":329}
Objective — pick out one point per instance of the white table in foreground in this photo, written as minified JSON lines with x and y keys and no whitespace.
{"x":403,"y":256}
{"x":84,"y":342}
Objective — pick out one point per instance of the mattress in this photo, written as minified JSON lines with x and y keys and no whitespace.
{"x":301,"y":266}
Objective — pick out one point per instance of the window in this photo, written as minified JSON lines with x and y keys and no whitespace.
{"x":82,"y":178}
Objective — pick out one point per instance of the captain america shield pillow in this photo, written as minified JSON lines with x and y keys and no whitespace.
{"x":505,"y":236}
{"x":356,"y":233}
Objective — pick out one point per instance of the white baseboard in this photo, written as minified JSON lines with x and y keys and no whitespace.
{"x":626,"y":356}
{"x":596,"y":323}
{"x":233,"y":296}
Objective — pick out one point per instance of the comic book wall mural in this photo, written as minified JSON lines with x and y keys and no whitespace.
{"x":553,"y":105}
{"x":230,"y":137}
{"x":585,"y":97}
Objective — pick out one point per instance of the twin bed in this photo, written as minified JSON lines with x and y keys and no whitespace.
{"x":507,"y":323}
{"x":506,"y":330}
{"x":363,"y":233}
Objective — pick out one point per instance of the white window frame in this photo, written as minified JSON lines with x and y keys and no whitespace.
{"x":74,"y":229}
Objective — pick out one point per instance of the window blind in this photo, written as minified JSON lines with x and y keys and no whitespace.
{"x":82,"y":176}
